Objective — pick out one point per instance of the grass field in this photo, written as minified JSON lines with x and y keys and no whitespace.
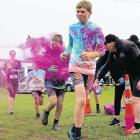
{"x":22,"y":126}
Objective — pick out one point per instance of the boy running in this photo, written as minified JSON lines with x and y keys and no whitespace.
{"x":55,"y":83}
{"x":86,"y":42}
{"x":12,"y":67}
{"x":37,"y":90}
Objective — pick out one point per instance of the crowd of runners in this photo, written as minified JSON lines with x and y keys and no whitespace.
{"x":87,"y":58}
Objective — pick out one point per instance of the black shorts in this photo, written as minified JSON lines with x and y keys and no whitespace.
{"x":55,"y":88}
{"x":55,"y":92}
{"x":37,"y":93}
{"x":135,"y":92}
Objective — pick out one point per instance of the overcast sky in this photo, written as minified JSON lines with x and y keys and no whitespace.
{"x":18,"y":18}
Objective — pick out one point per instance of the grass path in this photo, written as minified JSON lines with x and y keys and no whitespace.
{"x":22,"y":126}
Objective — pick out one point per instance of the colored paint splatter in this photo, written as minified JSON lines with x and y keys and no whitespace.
{"x":44,"y":55}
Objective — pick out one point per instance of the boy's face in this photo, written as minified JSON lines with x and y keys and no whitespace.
{"x":83,"y":15}
{"x":12,"y":54}
{"x":56,"y":42}
{"x":35,"y":67}
{"x":111,"y":47}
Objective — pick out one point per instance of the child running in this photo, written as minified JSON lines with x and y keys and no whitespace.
{"x":55,"y":83}
{"x":45,"y":53}
{"x":35,"y":81}
{"x":86,"y":42}
{"x":11,"y":68}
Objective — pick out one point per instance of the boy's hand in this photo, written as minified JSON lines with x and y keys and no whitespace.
{"x":53,"y":68}
{"x":63,"y":56}
{"x":13,"y":70}
{"x":65,"y":70}
{"x":89,"y":55}
{"x":121,"y":81}
{"x":86,"y":56}
{"x":138,"y":85}
{"x":96,"y":83}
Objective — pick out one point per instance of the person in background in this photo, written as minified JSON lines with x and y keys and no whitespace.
{"x":135,"y":39}
{"x":12,"y":67}
{"x":103,"y":67}
{"x":35,"y":76}
{"x":127,"y":54}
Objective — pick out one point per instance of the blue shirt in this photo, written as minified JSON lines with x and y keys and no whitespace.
{"x":84,"y":38}
{"x":39,"y":74}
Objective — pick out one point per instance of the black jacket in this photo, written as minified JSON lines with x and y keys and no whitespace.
{"x":100,"y":64}
{"x":125,"y":59}
{"x":108,"y":63}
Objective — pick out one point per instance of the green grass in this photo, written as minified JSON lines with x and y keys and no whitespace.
{"x":22,"y":126}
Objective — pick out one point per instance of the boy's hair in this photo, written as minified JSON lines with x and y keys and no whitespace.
{"x":111,"y":38}
{"x":12,"y":51}
{"x":84,"y":4}
{"x":58,"y":38}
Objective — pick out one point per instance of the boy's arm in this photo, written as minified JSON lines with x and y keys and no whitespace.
{"x":69,"y":48}
{"x":99,"y":44}
{"x":101,"y":62}
{"x":105,"y":67}
{"x":29,"y":77}
{"x":28,"y":80}
{"x":44,"y":73}
{"x":4,"y":67}
{"x":102,"y":72}
{"x":19,"y":68}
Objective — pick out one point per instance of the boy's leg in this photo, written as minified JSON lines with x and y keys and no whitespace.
{"x":97,"y":103}
{"x":80,"y":103}
{"x":88,"y":81}
{"x":11,"y":104}
{"x":15,"y":89}
{"x":11,"y":98}
{"x":79,"y":107}
{"x":36,"y":103}
{"x":119,"y":90}
{"x":59,"y":106}
{"x":51,"y":104}
{"x":40,"y":98}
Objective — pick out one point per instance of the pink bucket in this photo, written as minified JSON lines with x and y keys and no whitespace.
{"x":109,"y":109}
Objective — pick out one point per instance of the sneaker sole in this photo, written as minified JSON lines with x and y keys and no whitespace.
{"x":68,"y":134}
{"x":44,"y":123}
{"x":56,"y":130}
{"x":114,"y":124}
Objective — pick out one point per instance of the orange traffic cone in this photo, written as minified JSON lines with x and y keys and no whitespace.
{"x":87,"y":110}
{"x":129,"y":111}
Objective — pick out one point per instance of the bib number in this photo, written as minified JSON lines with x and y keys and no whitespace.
{"x":13,"y":76}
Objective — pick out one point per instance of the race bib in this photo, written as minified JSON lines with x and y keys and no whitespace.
{"x":36,"y":84}
{"x":13,"y":76}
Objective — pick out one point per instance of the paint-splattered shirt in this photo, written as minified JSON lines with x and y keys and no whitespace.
{"x":12,"y":77}
{"x":39,"y":74}
{"x":84,"y":38}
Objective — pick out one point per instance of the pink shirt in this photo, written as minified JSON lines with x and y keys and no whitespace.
{"x":8,"y":67}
